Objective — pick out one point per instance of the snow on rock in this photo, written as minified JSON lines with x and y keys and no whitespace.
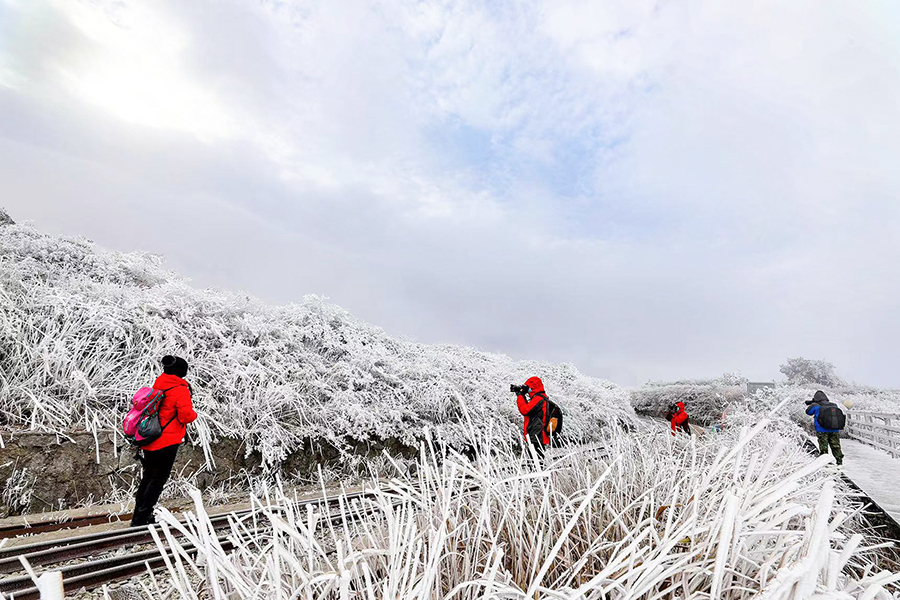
{"x":82,"y":328}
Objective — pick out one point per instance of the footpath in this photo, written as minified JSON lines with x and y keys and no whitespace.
{"x":875,"y":472}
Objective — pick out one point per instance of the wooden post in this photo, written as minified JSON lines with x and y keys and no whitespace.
{"x":890,"y":436}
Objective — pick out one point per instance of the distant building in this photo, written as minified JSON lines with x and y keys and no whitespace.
{"x":755,"y":386}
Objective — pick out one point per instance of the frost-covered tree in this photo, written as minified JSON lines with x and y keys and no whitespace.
{"x":5,"y":219}
{"x":804,"y":371}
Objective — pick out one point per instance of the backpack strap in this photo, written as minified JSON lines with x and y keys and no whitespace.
{"x":544,"y":401}
{"x":175,"y":416}
{"x":190,"y":391}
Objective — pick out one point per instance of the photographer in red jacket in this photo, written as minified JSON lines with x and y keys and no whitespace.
{"x":176,"y":411}
{"x":532,"y":403}
{"x":678,"y":418}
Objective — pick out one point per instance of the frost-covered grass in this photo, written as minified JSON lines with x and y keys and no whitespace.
{"x":81,"y":329}
{"x":709,"y":401}
{"x":16,"y":492}
{"x":792,"y":400}
{"x":706,"y":399}
{"x":862,"y":398}
{"x":639,"y":515}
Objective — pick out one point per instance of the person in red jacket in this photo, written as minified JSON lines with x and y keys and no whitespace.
{"x":176,"y":411}
{"x":678,"y":418}
{"x":532,"y":403}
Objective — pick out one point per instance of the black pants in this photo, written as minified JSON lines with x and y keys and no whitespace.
{"x":537,"y":442}
{"x":685,"y":427}
{"x":157,"y":468}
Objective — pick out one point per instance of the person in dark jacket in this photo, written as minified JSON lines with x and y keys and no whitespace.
{"x":176,"y":411}
{"x":827,"y":437}
{"x":532,"y":403}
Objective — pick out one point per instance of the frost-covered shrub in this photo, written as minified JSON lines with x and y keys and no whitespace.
{"x":803,"y":371}
{"x":81,"y":329}
{"x":705,"y":400}
{"x":792,"y":399}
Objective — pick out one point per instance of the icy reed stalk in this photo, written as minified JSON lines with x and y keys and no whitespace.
{"x":638,"y":516}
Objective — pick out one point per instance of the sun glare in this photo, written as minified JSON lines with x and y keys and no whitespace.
{"x":135,"y":71}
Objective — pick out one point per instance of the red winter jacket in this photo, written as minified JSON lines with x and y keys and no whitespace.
{"x":679,"y":417}
{"x":177,"y":407}
{"x":535,"y":416}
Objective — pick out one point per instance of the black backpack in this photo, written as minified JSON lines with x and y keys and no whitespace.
{"x":554,"y":412}
{"x":552,"y":427}
{"x":831,"y":417}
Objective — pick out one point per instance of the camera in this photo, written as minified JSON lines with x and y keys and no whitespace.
{"x":519,"y":389}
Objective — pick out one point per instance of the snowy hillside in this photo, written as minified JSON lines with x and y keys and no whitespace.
{"x":82,"y":328}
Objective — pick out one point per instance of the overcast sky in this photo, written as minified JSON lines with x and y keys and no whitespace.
{"x":649,"y":190}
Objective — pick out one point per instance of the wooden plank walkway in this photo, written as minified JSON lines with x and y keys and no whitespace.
{"x":875,"y":472}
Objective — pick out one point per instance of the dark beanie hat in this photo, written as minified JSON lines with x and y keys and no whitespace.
{"x":174,"y":365}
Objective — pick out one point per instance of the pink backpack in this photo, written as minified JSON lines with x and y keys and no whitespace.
{"x":141,"y":425}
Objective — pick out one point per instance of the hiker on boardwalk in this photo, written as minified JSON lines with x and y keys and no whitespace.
{"x":532,"y":402}
{"x":678,"y":418}
{"x":829,"y":419}
{"x":176,"y":411}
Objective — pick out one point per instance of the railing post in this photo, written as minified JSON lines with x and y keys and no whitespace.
{"x":890,"y":436}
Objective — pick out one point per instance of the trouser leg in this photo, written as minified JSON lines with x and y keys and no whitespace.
{"x":538,"y":444}
{"x":157,"y":468}
{"x":823,"y":442}
{"x":834,"y":440}
{"x":686,"y":427}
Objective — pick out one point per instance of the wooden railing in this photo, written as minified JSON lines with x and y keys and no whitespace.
{"x":880,"y":430}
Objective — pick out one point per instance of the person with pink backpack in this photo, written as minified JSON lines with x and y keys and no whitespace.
{"x":174,"y":412}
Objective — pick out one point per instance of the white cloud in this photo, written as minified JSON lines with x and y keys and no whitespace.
{"x":133,"y":68}
{"x":656,"y":188}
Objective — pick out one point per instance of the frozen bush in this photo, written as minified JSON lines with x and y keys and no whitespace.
{"x":81,"y":329}
{"x":705,"y":400}
{"x":802,"y":371}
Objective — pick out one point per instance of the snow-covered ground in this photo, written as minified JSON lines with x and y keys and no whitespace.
{"x":876,"y":472}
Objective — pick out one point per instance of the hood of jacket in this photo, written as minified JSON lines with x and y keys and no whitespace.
{"x":535,"y":384}
{"x":820,"y":397}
